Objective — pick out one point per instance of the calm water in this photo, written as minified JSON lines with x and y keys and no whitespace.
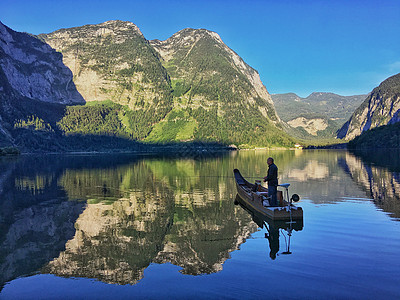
{"x":147,"y":227}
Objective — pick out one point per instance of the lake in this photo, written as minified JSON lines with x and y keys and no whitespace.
{"x":126,"y":226}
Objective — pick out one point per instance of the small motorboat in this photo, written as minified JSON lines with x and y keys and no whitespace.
{"x":274,"y":228}
{"x":255,"y":197}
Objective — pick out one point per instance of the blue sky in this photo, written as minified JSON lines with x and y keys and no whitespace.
{"x":345,"y":47}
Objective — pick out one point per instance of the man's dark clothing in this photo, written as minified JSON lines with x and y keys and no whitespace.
{"x":272,"y":178}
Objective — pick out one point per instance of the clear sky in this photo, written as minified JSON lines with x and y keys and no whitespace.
{"x":346,"y":47}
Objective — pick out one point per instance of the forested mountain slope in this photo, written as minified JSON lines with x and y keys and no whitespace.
{"x":381,"y":107}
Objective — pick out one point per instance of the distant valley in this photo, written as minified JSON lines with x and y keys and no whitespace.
{"x":317,"y":116}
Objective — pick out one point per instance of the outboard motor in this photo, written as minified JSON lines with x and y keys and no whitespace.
{"x":295,"y":198}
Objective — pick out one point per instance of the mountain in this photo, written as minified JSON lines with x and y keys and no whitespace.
{"x":199,"y":62}
{"x":30,"y":72}
{"x":31,"y":69}
{"x":190,"y":87}
{"x":319,"y":115}
{"x":381,"y":107}
{"x":216,"y":94}
{"x":113,"y":61}
{"x":387,"y":136}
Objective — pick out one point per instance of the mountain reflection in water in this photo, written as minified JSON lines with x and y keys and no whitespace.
{"x":111,"y":217}
{"x":380,"y":178}
{"x":125,"y":217}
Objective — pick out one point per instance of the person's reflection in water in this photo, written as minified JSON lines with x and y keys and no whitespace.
{"x":273,"y":238}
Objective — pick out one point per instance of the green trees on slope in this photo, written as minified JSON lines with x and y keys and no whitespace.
{"x":387,"y":136}
{"x":179,"y":125}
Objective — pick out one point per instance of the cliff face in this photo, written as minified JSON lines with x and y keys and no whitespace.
{"x":33,"y":80}
{"x":381,"y":107}
{"x":30,"y":68}
{"x":112,"y":61}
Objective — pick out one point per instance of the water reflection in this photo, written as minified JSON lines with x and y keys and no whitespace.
{"x":313,"y":170}
{"x":122,"y":216}
{"x":286,"y":227}
{"x":35,"y":219}
{"x":110,"y":217}
{"x":380,"y":182}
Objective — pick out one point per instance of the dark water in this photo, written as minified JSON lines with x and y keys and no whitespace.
{"x":147,"y":227}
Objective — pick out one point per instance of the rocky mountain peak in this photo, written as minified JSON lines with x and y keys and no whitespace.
{"x":195,"y":34}
{"x":186,"y":46}
{"x":117,"y":27}
{"x":110,"y":56}
{"x":185,"y":38}
{"x":118,"y":30}
{"x":180,"y":89}
{"x":34,"y":70}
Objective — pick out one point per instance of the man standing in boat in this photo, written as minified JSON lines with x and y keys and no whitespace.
{"x":272,"y":179}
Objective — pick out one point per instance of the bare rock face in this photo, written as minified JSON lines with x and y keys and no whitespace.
{"x":312,"y":126}
{"x":31,"y":69}
{"x":112,"y":61}
{"x":381,"y":107}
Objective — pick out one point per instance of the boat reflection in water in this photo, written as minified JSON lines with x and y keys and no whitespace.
{"x":273,"y":227}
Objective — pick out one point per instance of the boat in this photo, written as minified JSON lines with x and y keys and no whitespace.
{"x":274,"y":228}
{"x":262,"y":221}
{"x":254,"y":195}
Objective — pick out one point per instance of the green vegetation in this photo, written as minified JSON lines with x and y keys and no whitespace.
{"x":112,"y":119}
{"x":177,"y":126}
{"x":387,"y":136}
{"x":99,"y":119}
{"x":33,"y":122}
{"x":389,"y":86}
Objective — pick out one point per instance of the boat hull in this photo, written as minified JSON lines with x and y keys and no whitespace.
{"x":253,"y":200}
